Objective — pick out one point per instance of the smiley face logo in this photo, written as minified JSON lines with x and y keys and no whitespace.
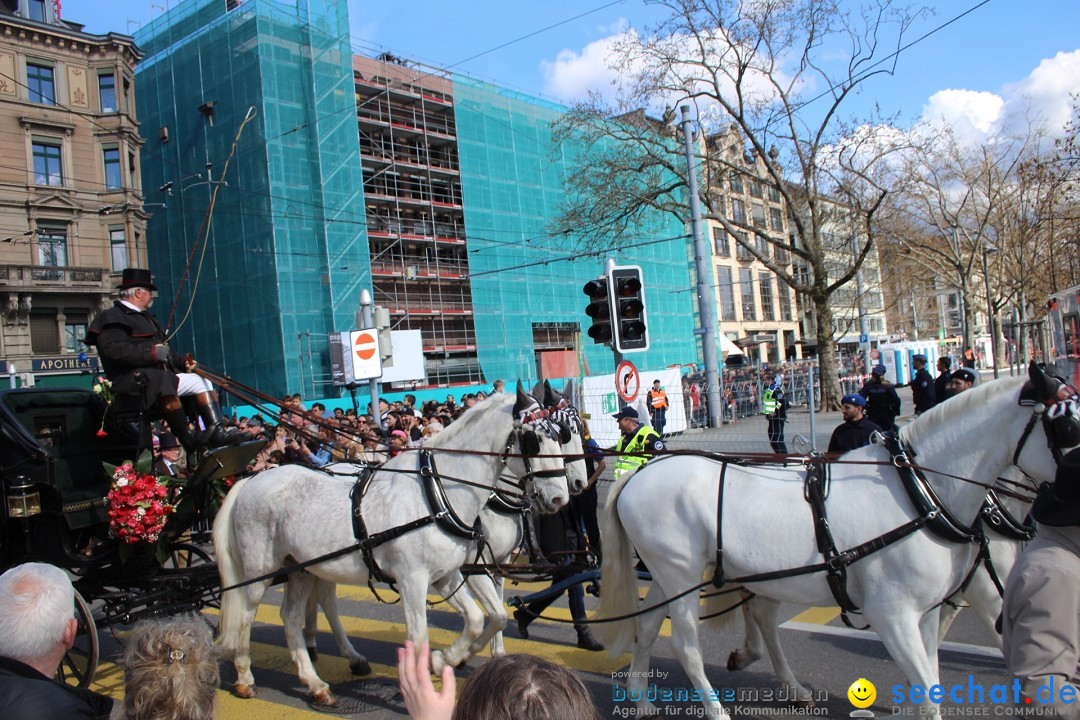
{"x":862,"y":693}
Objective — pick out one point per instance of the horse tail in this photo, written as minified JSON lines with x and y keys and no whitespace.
{"x":620,"y":592}
{"x":230,"y":568}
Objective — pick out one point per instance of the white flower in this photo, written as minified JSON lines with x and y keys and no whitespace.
{"x":121,"y":482}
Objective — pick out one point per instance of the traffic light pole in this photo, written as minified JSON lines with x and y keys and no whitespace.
{"x":713,"y":387}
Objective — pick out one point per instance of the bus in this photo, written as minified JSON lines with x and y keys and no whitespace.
{"x":1063,"y":314}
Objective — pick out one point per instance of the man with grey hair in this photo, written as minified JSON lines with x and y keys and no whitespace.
{"x":138,"y":361}
{"x":37,"y":627}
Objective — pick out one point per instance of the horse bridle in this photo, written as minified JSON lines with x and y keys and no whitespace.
{"x":1054,"y":433}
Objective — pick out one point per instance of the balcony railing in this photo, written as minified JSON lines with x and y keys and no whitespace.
{"x":54,"y":276}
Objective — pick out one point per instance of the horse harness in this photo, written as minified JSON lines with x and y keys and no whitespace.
{"x":441,"y":512}
{"x":1062,"y":429}
{"x":932,"y":514}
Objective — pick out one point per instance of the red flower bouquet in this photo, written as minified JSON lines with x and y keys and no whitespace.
{"x":139,"y":503}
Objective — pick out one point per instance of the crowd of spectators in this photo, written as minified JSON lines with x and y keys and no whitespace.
{"x":314,"y":436}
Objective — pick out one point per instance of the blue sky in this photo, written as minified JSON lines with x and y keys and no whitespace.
{"x":1003,"y":55}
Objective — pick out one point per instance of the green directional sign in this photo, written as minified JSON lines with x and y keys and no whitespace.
{"x":611,"y":403}
{"x":941,"y":334}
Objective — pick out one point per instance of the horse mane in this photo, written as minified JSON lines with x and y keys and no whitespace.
{"x":470,"y":418}
{"x":950,"y":412}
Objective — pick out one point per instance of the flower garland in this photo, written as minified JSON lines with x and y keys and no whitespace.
{"x":103,"y":389}
{"x":139,"y":504}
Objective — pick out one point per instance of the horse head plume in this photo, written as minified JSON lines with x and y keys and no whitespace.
{"x":524,"y":403}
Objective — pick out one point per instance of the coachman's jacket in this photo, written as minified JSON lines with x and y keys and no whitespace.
{"x":125,"y":339}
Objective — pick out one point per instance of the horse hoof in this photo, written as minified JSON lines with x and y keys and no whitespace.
{"x":313,"y":653}
{"x":806,"y":702}
{"x":245,"y":691}
{"x":437,"y":662}
{"x":735,"y":661}
{"x":323,"y":698}
{"x":360,"y":667}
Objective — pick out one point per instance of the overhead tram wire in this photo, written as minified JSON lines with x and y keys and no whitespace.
{"x":585,"y":253}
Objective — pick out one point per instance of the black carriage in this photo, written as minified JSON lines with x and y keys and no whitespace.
{"x":55,"y":443}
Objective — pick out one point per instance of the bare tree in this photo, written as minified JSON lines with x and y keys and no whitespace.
{"x":768,"y":94}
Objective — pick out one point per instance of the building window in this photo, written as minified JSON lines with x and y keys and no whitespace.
{"x":113,"y":176}
{"x":35,"y":10}
{"x":44,"y":338}
{"x":132,"y":168}
{"x":784,"y":294}
{"x":736,"y":183}
{"x":727,"y":293}
{"x":107,"y":92}
{"x":74,"y":331}
{"x":759,"y":216}
{"x":738,"y":211}
{"x":768,"y":312}
{"x":127,"y":95}
{"x":40,"y":84}
{"x":48,"y":168}
{"x":746,"y":291}
{"x":755,"y":188}
{"x":776,"y":219}
{"x":741,"y":251}
{"x":774,"y":194}
{"x":118,"y":249}
{"x":762,"y":245}
{"x":720,"y":242}
{"x":52,"y":245}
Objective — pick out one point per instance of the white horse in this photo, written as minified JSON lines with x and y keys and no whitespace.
{"x":981,"y":593}
{"x":668,"y":511}
{"x":294,"y":514}
{"x":502,"y":535}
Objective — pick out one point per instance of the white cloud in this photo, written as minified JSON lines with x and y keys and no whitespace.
{"x":1040,"y":99}
{"x":972,"y":115}
{"x":1044,"y":94}
{"x":572,"y":75}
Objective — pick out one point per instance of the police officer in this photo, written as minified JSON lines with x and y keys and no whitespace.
{"x":963,"y":379}
{"x":138,"y":362}
{"x":774,"y":405}
{"x":923,"y":392}
{"x":856,"y":429}
{"x":941,"y":382}
{"x":882,"y":402}
{"x":636,"y":438}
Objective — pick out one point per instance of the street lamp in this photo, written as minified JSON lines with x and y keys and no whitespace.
{"x":987,"y":249}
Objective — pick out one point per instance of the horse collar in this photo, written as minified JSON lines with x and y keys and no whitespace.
{"x":439,"y":504}
{"x":939,"y":520}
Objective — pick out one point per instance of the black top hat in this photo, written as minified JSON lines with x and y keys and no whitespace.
{"x":137,"y":277}
{"x":168,"y":441}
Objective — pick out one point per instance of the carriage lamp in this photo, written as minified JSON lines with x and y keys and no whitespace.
{"x":22,"y":500}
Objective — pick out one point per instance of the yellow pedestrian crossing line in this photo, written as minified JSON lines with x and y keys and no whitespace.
{"x":334,"y":669}
{"x":817,"y":615}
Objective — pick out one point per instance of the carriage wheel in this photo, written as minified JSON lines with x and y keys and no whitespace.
{"x":80,"y":662}
{"x":185,"y":555}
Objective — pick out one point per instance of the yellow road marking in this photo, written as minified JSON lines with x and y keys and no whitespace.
{"x":817,"y":615}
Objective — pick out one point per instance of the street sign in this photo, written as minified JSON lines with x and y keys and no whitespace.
{"x":364,"y":350}
{"x":941,"y":334}
{"x":627,"y":381}
{"x":875,"y":354}
{"x":864,"y":338}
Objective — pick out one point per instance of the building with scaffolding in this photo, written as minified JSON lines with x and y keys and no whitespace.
{"x":436,"y":190}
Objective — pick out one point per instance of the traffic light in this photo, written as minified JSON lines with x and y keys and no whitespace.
{"x":628,"y":301}
{"x":599,"y":309}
